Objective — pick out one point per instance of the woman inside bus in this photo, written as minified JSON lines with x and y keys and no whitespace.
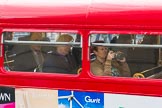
{"x":61,"y":60}
{"x":107,"y":64}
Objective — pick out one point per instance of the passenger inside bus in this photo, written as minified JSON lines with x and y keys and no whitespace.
{"x":61,"y":60}
{"x":141,"y":59}
{"x":8,"y":36}
{"x":8,"y":47}
{"x":109,"y":63}
{"x":28,"y":58}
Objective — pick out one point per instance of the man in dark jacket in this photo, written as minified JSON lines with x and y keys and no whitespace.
{"x":28,"y":58}
{"x":61,"y":60}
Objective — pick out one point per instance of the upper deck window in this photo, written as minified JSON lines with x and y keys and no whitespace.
{"x":46,"y":52}
{"x":126,"y":55}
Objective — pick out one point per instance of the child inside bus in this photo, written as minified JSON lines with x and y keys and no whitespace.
{"x":107,"y":64}
{"x":61,"y":60}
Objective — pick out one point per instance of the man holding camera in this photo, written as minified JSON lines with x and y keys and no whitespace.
{"x":109,"y":63}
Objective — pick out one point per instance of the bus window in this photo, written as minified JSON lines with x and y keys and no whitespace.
{"x":126,"y":55}
{"x":46,"y":52}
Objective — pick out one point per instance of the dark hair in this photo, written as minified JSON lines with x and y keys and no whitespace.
{"x":95,"y":48}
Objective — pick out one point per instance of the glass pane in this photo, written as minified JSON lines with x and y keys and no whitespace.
{"x":46,"y":52}
{"x":126,"y":55}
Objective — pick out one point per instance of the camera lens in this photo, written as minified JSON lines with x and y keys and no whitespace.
{"x":119,"y":56}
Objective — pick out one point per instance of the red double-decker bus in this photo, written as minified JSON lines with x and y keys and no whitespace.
{"x":61,"y":54}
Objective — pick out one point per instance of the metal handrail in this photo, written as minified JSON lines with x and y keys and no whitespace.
{"x":127,"y":45}
{"x":48,"y":43}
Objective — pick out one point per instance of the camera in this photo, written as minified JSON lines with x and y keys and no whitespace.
{"x":119,"y":55}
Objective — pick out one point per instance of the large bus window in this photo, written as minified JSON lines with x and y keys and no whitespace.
{"x":46,"y":52}
{"x":126,"y":55}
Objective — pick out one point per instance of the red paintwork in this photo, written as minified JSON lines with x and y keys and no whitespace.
{"x":88,"y":16}
{"x":92,"y":14}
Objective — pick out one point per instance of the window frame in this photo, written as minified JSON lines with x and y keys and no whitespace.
{"x":76,"y":44}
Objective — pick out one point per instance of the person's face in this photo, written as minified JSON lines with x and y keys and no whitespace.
{"x":101,"y":52}
{"x":63,"y":49}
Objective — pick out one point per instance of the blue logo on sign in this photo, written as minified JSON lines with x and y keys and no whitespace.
{"x":75,"y":99}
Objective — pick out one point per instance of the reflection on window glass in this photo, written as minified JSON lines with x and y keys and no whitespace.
{"x":126,"y":55}
{"x":42,"y":52}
